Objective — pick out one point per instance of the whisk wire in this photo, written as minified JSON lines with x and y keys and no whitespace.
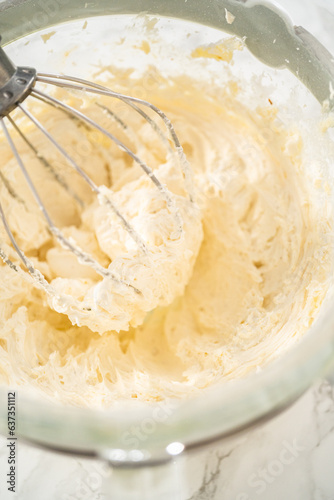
{"x":148,"y":171}
{"x":35,"y":275}
{"x":85,"y":85}
{"x":13,"y":241}
{"x":82,"y":256}
{"x":46,"y":164}
{"x":87,"y":179}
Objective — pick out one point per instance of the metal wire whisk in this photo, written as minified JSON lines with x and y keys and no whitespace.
{"x":19,"y":83}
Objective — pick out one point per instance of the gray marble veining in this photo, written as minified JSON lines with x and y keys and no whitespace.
{"x":291,"y":456}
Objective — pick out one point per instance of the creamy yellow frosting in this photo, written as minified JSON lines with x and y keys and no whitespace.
{"x":241,"y":283}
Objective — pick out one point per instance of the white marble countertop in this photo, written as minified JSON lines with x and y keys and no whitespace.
{"x":289,"y":457}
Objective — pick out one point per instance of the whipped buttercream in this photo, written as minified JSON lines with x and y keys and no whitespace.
{"x":241,"y":283}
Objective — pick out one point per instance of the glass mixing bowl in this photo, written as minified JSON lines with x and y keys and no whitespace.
{"x":174,"y":428}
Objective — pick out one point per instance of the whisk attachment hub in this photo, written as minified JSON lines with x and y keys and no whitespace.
{"x":15,"y":83}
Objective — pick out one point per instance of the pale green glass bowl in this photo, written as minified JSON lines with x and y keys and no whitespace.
{"x":221,"y":411}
